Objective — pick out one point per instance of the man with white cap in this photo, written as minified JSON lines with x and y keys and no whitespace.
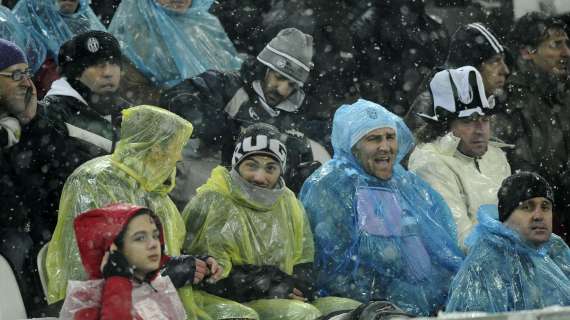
{"x":456,"y":156}
{"x":267,"y":89}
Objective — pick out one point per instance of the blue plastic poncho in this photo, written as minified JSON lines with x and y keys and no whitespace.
{"x":502,"y":273}
{"x":377,"y":239}
{"x":169,"y":47}
{"x":28,"y":40}
{"x":54,"y":27}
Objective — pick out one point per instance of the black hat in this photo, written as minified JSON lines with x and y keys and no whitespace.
{"x":520,"y":187}
{"x":87,"y":49}
{"x":260,"y":138}
{"x":530,"y":29}
{"x":472,"y":44}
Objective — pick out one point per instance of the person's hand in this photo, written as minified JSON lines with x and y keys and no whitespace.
{"x":115,"y":264}
{"x":201,"y":270}
{"x":297,"y":295}
{"x":31,"y":107}
{"x":215,"y":270}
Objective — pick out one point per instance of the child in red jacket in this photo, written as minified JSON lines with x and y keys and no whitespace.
{"x":121,"y":247}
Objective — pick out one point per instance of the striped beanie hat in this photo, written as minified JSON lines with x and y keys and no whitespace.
{"x":471,"y":45}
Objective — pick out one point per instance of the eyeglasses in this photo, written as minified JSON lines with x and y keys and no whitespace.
{"x":18,"y":75}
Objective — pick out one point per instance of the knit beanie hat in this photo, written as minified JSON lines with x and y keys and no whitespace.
{"x":260,"y":138}
{"x":88,"y":49}
{"x":10,"y":54}
{"x":521,"y":187}
{"x":471,"y":45}
{"x":458,"y":93}
{"x":289,"y":53}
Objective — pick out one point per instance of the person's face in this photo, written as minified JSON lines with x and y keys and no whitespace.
{"x":67,"y":6}
{"x":176,"y":5}
{"x":261,"y":171}
{"x":474,"y":133}
{"x":102,"y":78}
{"x":377,"y":152}
{"x":494,"y":72}
{"x":552,"y":55}
{"x":141,"y":245}
{"x":277,"y":87}
{"x":532,"y":220}
{"x":12,"y":92}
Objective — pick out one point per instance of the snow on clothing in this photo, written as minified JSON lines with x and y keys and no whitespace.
{"x":115,"y":297}
{"x":168,"y":46}
{"x":259,"y":236}
{"x":27,"y":39}
{"x":535,"y":120}
{"x":379,"y":239}
{"x":140,"y":171}
{"x":502,"y":273}
{"x":464,"y":182}
{"x":55,"y":27}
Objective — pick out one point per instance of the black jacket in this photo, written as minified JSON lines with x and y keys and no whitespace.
{"x":220,"y":104}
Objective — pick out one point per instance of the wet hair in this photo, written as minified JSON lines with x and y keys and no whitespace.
{"x":120,"y":239}
{"x":532,"y":28}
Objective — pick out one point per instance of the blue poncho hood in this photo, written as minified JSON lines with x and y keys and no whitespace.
{"x":27,"y":39}
{"x":503,"y":273}
{"x":54,"y":27}
{"x":168,"y":46}
{"x":379,"y":239}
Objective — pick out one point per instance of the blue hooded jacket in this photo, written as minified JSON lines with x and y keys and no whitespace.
{"x":28,"y":40}
{"x":379,"y":239}
{"x":168,"y":46}
{"x":502,"y":273}
{"x":54,"y":27}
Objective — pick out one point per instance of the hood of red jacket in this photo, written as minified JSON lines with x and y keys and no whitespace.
{"x":97,"y":229}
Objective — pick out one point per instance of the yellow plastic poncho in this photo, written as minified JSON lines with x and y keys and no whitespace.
{"x":224,"y":222}
{"x":141,"y":171}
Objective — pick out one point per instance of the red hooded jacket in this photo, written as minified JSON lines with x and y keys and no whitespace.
{"x":95,"y":231}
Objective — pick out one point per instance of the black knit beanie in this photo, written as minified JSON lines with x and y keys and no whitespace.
{"x":260,"y":138}
{"x":472,"y":44}
{"x":520,"y":187}
{"x":88,"y":49}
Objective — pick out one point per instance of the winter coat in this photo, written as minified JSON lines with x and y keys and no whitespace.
{"x":390,"y":239}
{"x":502,"y":273}
{"x":167,"y":46}
{"x":140,"y":171}
{"x":464,"y":182}
{"x":115,"y":297}
{"x":27,"y":40}
{"x":536,"y":121}
{"x":220,"y":104}
{"x":54,"y":27}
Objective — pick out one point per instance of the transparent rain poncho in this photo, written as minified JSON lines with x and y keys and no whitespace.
{"x":502,"y":273}
{"x":255,"y":227}
{"x":167,"y":46}
{"x":54,"y":27}
{"x":390,"y":239}
{"x":27,"y":39}
{"x":141,"y":171}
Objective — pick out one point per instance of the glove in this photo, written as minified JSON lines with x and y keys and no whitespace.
{"x":117,"y":266}
{"x":180,"y":270}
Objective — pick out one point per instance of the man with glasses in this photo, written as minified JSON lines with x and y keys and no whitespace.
{"x":17,"y":107}
{"x":536,"y":118}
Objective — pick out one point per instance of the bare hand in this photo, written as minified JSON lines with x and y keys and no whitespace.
{"x":215,"y":270}
{"x":31,"y":107}
{"x":297,"y":295}
{"x":201,"y":270}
